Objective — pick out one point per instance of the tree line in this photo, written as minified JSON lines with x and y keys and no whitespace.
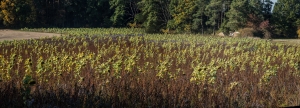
{"x":159,"y":16}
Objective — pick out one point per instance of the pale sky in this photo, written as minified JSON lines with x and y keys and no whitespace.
{"x":274,"y":1}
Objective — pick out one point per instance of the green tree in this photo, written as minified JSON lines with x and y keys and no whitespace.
{"x":60,"y":13}
{"x":119,"y":10}
{"x":124,"y":11}
{"x":285,"y":15}
{"x":254,"y":14}
{"x":25,"y":12}
{"x":79,"y":12}
{"x":237,"y":14}
{"x":267,"y":9}
{"x":199,"y":17}
{"x":224,"y":20}
{"x":98,"y":13}
{"x":213,"y":11}
{"x":154,"y":14}
{"x":73,"y":13}
{"x":182,"y":12}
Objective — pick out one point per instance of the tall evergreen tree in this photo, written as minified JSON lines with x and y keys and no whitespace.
{"x":119,"y":10}
{"x":52,"y":13}
{"x":154,"y":14}
{"x":124,"y":11}
{"x":78,"y":11}
{"x":213,"y":11}
{"x":98,"y":13}
{"x":199,"y":17}
{"x":182,"y":13}
{"x":224,"y":20}
{"x":285,"y":15}
{"x":237,"y":15}
{"x":267,"y":9}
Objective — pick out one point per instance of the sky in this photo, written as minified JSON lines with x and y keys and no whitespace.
{"x":274,"y":1}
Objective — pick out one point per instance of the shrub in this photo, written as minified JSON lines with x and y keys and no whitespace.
{"x":247,"y":32}
{"x":265,"y":29}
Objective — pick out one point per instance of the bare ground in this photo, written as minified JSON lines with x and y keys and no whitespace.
{"x":6,"y":34}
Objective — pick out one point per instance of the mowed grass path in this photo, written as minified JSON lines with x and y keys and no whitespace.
{"x":288,"y":41}
{"x":6,"y":34}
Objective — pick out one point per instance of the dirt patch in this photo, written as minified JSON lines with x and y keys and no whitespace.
{"x":6,"y":34}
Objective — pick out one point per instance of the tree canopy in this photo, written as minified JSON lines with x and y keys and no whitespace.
{"x":286,"y":13}
{"x":157,"y":16}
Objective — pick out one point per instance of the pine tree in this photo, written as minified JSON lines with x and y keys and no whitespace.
{"x":267,"y":9}
{"x":213,"y":11}
{"x":98,"y":13}
{"x":237,"y":14}
{"x":124,"y":11}
{"x":199,"y":17}
{"x":119,"y":10}
{"x":224,"y":20}
{"x":182,"y":13}
{"x":154,"y":14}
{"x":25,"y":12}
{"x":285,"y":15}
